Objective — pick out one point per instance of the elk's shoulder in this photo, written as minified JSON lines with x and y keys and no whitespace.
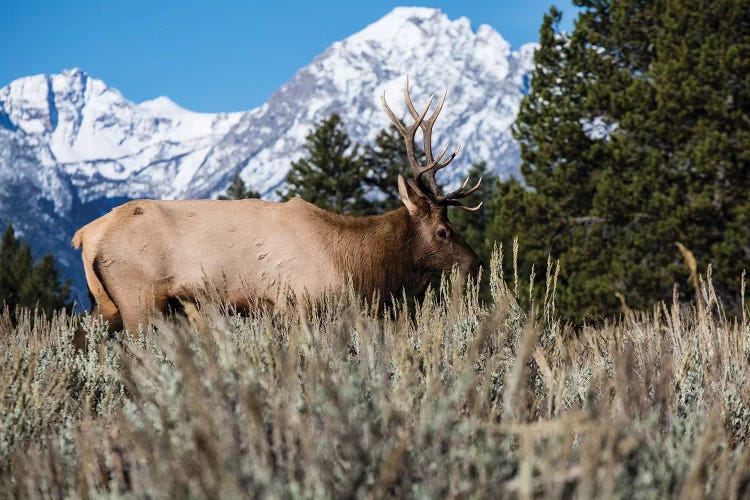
{"x":297,"y":201}
{"x":300,"y":205}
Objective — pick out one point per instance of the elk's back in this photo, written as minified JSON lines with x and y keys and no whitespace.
{"x":249,"y":249}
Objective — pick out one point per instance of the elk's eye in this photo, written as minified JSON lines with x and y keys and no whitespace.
{"x":442,"y":233}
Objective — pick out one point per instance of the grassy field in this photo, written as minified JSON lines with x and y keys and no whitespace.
{"x":456,"y":399}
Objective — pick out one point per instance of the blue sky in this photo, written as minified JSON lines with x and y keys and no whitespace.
{"x":212,"y":55}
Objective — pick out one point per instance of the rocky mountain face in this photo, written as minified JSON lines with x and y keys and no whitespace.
{"x":71,"y":147}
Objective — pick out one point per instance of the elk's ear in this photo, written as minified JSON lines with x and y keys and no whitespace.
{"x":412,"y":199}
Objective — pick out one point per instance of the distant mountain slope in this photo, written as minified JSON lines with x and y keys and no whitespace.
{"x":71,"y":147}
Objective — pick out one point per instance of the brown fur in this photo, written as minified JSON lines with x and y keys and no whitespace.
{"x":146,"y":253}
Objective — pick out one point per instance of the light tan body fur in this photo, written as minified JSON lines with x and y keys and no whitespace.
{"x":146,"y":252}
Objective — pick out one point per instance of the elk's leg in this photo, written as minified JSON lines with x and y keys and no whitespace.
{"x":110,"y":314}
{"x":138,"y":310}
{"x":79,"y":337}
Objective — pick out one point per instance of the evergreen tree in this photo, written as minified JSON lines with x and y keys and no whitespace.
{"x":635,"y":136}
{"x":331,"y":174}
{"x":15,"y":266}
{"x":23,"y":283}
{"x":237,"y":190}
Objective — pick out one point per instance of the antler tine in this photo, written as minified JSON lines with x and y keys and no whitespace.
{"x":453,"y":198}
{"x":420,"y":119}
{"x":462,"y":192}
{"x":436,"y":161}
{"x":450,"y":158}
{"x":472,"y":189}
{"x":471,"y":209}
{"x":437,"y":165}
{"x":458,"y":204}
{"x":439,"y":108}
{"x":433,"y":163}
{"x":400,"y":126}
{"x":410,"y":149}
{"x":407,"y":98}
{"x":409,"y":134}
{"x":461,"y":188}
{"x":427,"y":123}
{"x":427,"y":127}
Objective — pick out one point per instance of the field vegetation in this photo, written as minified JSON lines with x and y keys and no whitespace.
{"x":454,"y":397}
{"x":625,"y":375}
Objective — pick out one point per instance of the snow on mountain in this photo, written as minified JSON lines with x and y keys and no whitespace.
{"x":95,"y":134}
{"x":484,"y":78}
{"x":75,"y":147}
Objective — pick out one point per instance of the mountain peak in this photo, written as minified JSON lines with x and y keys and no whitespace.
{"x":163,"y":105}
{"x":74,"y":73}
{"x":405,"y":25}
{"x":416,"y":13}
{"x":411,"y":11}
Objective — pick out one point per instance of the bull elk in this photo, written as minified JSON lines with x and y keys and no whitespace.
{"x":145,"y":254}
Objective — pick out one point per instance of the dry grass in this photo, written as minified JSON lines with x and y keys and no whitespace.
{"x":453,"y":400}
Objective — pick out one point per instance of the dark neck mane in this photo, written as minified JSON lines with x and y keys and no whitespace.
{"x":376,"y":251}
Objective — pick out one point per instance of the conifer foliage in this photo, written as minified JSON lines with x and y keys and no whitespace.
{"x":237,"y":190}
{"x":331,"y":173}
{"x":28,"y":284}
{"x":635,"y":136}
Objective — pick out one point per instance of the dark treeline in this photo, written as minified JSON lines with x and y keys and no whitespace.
{"x":26,"y":283}
{"x":635,"y":136}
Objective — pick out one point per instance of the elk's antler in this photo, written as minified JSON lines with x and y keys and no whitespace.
{"x":433,"y":190}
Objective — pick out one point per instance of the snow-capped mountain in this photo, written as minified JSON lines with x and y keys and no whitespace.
{"x":71,"y":147}
{"x":107,"y":145}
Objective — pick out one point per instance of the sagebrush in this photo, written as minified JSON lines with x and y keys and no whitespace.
{"x":453,"y":398}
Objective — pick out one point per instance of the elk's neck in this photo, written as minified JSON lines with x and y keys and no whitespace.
{"x":376,"y":251}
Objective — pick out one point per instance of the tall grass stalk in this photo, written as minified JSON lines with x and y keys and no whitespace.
{"x":454,"y":398}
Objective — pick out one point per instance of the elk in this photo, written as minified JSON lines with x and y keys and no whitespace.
{"x":145,"y":254}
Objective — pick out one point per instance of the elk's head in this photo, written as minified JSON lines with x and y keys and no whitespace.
{"x":438,"y":246}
